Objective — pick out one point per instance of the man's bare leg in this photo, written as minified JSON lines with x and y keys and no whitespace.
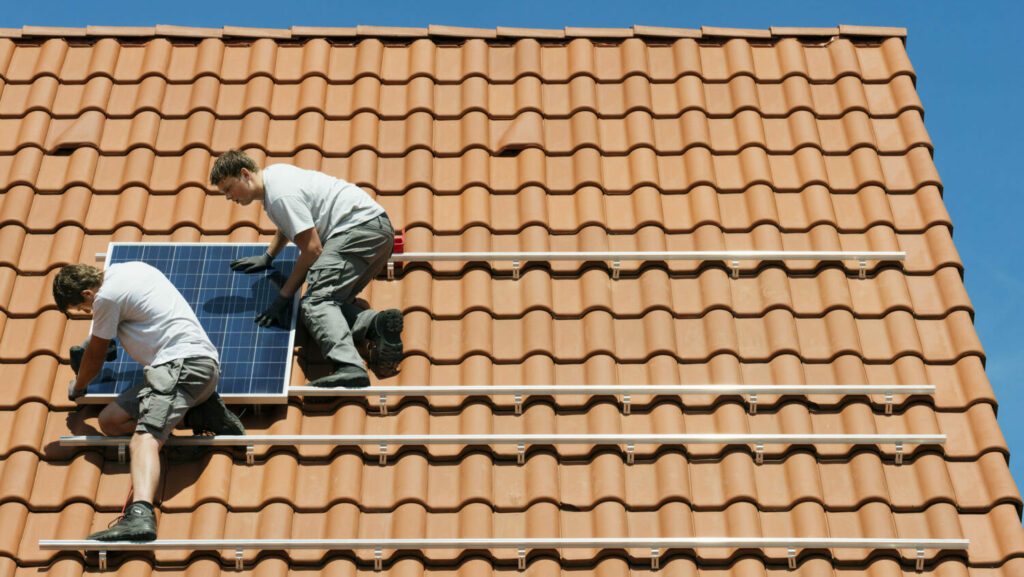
{"x":145,"y":450}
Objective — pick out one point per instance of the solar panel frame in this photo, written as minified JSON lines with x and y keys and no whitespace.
{"x":278,"y":397}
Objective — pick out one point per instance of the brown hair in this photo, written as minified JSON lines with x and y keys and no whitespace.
{"x":71,"y":281}
{"x":231,"y":163}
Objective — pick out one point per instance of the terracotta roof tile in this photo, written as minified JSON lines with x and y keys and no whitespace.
{"x":461,"y":32}
{"x":52,"y":31}
{"x":529,"y":32}
{"x":708,"y":31}
{"x":848,"y":30}
{"x":185,"y":31}
{"x":323,"y":31}
{"x":660,"y":31}
{"x":121,"y":31}
{"x":641,"y":138}
{"x":797,"y":31}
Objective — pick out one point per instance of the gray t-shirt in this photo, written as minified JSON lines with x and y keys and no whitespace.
{"x":298,"y":199}
{"x":138,"y":305}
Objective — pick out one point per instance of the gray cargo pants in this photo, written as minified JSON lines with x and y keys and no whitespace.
{"x":349,"y":261}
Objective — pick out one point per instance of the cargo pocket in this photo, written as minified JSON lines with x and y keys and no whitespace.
{"x":163,"y":378}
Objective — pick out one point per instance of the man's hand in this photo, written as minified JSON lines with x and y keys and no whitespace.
{"x":279,"y":313}
{"x":73,"y":393}
{"x":77,"y":352}
{"x":251,"y":264}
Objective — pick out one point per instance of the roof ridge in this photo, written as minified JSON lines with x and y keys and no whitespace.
{"x":434,"y":30}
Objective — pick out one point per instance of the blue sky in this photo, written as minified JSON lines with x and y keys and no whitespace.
{"x":969,"y":69}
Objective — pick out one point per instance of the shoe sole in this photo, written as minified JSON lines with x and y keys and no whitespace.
{"x":124,"y":536}
{"x":388,"y":351}
{"x":332,"y":381}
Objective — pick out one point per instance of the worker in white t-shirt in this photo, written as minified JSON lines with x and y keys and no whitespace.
{"x":344,"y":239}
{"x":136,"y":304}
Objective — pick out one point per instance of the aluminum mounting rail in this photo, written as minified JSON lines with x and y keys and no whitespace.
{"x":654,"y":544}
{"x":519,"y":391}
{"x":521,"y":441}
{"x":733,"y":257}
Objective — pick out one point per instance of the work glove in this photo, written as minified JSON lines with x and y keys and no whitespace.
{"x":74,"y":394}
{"x":251,"y":264}
{"x":279,"y":313}
{"x":77,"y":352}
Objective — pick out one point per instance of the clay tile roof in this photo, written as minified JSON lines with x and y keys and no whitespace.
{"x":189,"y":32}
{"x":390,"y":31}
{"x":323,"y":32}
{"x":256,"y":32}
{"x":530,"y":32}
{"x":51,"y":31}
{"x":796,"y":31}
{"x":121,"y":31}
{"x":598,"y":32}
{"x":847,"y":30}
{"x":734,"y":32}
{"x":642,"y":138}
{"x":659,"y":31}
{"x":460,"y":32}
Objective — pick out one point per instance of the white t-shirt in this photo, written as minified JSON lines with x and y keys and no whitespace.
{"x":138,"y":305}
{"x":298,"y":199}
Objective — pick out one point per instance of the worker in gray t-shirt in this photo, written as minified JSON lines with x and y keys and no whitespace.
{"x":344,"y":239}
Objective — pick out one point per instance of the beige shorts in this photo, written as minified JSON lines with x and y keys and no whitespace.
{"x":167,"y":392}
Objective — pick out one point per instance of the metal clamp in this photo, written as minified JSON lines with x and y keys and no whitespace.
{"x":518,"y":400}
{"x":383,"y":405}
{"x":521,"y":553}
{"x":735,"y":268}
{"x":515,"y":270}
{"x":101,"y":256}
{"x":791,"y":557}
{"x":759,"y":453}
{"x":122,"y":453}
{"x":250,"y":454}
{"x":391,"y":270}
{"x":383,"y":454}
{"x":520,"y":454}
{"x":888,"y":403}
{"x":920,"y":560}
{"x":378,"y":559}
{"x":103,"y":560}
{"x":630,"y":453}
{"x":238,"y":559}
{"x":753,"y":403}
{"x":616,"y":266}
{"x":627,"y":402}
{"x":863,"y":269}
{"x":899,"y":453}
{"x":655,"y":558}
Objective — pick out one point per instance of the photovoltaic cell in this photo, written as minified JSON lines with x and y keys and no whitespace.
{"x":255,"y":362}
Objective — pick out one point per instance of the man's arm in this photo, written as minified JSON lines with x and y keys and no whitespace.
{"x":277,"y":244}
{"x":310,"y":249}
{"x":92,"y":362}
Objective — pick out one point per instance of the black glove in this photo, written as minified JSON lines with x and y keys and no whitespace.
{"x":251,"y":264}
{"x":77,"y":352}
{"x":279,"y":313}
{"x":74,"y":394}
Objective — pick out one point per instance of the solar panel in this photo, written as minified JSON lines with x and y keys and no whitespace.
{"x":255,"y":362}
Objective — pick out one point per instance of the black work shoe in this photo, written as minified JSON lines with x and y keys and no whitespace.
{"x":137,"y":524}
{"x":386,"y":343}
{"x":347,"y":376}
{"x":213,"y":417}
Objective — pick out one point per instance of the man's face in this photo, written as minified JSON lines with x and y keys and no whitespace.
{"x":241,"y":189}
{"x":85,"y":307}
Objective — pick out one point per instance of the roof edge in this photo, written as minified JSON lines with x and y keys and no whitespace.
{"x":435,"y":30}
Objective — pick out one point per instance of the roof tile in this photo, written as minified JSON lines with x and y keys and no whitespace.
{"x":662,"y":141}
